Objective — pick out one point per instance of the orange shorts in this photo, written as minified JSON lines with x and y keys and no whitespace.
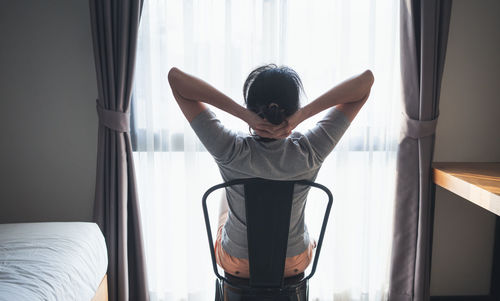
{"x":239,"y":266}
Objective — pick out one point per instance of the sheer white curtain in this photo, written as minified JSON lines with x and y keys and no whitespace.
{"x":221,"y":42}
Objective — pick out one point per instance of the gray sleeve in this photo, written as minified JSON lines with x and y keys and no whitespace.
{"x":219,"y":141}
{"x":327,"y":133}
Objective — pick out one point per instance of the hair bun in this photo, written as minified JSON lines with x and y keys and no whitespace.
{"x":274,"y":113}
{"x":273,"y":105}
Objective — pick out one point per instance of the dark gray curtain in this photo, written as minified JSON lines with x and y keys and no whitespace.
{"x":116,"y":209}
{"x":424,"y":35}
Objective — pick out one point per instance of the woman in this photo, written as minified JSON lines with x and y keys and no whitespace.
{"x":272,"y":111}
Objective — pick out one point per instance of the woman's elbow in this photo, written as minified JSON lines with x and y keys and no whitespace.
{"x":173,"y":75}
{"x":368,"y":74}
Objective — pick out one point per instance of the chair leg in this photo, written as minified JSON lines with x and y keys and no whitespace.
{"x":218,"y":291}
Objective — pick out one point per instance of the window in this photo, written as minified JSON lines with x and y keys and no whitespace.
{"x":221,"y":42}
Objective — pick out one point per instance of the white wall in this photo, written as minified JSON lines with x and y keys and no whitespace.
{"x":468,"y":130}
{"x":48,"y":123}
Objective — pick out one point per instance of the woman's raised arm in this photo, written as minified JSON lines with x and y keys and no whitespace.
{"x":191,"y":93}
{"x":350,"y":94}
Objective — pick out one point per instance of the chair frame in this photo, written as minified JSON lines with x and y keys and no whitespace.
{"x":247,"y":180}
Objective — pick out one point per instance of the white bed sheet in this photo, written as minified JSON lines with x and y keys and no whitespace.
{"x":51,"y":261}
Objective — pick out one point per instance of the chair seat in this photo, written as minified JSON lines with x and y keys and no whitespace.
{"x":246,"y":282}
{"x":238,"y":289}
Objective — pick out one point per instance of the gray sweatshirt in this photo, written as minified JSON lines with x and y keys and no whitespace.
{"x":298,"y":157}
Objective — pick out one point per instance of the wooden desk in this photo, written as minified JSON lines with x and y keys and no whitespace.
{"x":478,"y":183}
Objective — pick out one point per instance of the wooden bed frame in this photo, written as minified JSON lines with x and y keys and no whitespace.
{"x":102,"y":291}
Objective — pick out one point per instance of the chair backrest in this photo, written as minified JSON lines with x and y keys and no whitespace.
{"x":268,"y":205}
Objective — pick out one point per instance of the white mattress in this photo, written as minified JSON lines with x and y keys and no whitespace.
{"x":51,"y":261}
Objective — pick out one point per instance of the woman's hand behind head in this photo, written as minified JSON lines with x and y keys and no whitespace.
{"x":278,"y":132}
{"x":264,"y":128}
{"x":284,"y":129}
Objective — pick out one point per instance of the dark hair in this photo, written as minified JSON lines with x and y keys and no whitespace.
{"x":273,"y":92}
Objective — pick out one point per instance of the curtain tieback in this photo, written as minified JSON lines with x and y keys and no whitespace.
{"x":114,"y":120}
{"x":417,"y":128}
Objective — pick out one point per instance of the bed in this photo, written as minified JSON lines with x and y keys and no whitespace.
{"x":52,"y":261}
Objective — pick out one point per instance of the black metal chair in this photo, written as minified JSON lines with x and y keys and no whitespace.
{"x":268,"y":205}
